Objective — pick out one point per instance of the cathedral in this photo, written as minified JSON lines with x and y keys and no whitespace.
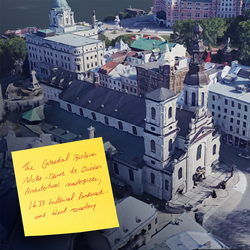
{"x":152,"y":144}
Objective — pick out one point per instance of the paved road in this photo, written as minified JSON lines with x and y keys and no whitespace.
{"x":233,"y":228}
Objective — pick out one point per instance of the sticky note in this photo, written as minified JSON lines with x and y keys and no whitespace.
{"x":64,"y":188}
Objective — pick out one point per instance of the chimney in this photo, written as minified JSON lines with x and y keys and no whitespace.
{"x":91,"y":132}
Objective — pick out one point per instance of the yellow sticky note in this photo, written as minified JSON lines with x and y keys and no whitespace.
{"x":64,"y":188}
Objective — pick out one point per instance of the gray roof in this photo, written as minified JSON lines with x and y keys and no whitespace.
{"x":154,"y":66}
{"x":160,"y":94}
{"x":184,"y":118}
{"x":72,"y":40}
{"x":60,"y":78}
{"x":72,"y":127}
{"x":106,"y":101}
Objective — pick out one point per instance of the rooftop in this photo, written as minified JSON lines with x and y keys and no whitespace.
{"x":160,"y":94}
{"x":73,"y":40}
{"x":108,"y":67}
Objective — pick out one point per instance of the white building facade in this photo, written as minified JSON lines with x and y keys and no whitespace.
{"x":73,"y":48}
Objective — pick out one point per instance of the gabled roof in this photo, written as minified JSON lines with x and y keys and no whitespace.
{"x":106,"y":101}
{"x":60,"y":78}
{"x":160,"y":94}
{"x":108,"y":67}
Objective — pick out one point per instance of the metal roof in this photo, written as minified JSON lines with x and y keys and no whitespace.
{"x":106,"y":101}
{"x":160,"y":94}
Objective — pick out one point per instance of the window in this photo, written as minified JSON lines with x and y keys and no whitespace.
{"x":153,"y":113}
{"x":69,"y":108}
{"x":120,"y":125}
{"x":205,"y":15}
{"x":225,"y":110}
{"x":245,"y":108}
{"x":238,"y":122}
{"x":231,"y":128}
{"x":202,"y":99}
{"x":239,"y":106}
{"x":152,"y":176}
{"x":166,"y":184}
{"x":93,"y":116}
{"x":81,"y":112}
{"x":218,"y":107}
{"x":179,"y":173}
{"x":131,"y":174}
{"x":116,"y":168}
{"x":189,"y":14}
{"x":232,"y":103}
{"x":106,"y":120}
{"x":134,"y":130}
{"x":149,"y":226}
{"x":198,"y":154}
{"x":237,"y":130}
{"x":212,"y":106}
{"x":193,"y":99}
{"x":186,"y":97}
{"x":244,"y":124}
{"x":152,"y":146}
{"x":232,"y":112}
{"x":169,"y":112}
{"x":243,"y":132}
{"x":170,"y":144}
{"x":231,"y":120}
{"x":197,"y":14}
{"x":214,"y":149}
{"x":245,"y":117}
{"x":213,"y":98}
{"x":226,"y":101}
{"x":155,"y":220}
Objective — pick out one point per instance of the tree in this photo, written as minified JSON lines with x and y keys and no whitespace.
{"x":125,"y":38}
{"x":18,"y":47}
{"x":244,"y":36}
{"x":6,"y":58}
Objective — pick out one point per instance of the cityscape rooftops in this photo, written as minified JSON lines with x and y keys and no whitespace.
{"x":108,"y":67}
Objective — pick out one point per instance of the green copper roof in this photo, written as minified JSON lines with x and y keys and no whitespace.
{"x":35,"y":114}
{"x":60,"y":4}
{"x":147,"y":44}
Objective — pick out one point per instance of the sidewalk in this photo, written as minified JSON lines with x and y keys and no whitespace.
{"x":200,"y":198}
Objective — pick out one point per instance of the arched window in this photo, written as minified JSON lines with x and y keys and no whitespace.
{"x":166,"y":184}
{"x":106,"y":120}
{"x":116,"y":168}
{"x":214,"y":149}
{"x":202,"y":99}
{"x":93,"y":116}
{"x":179,"y":173}
{"x":153,"y":113}
{"x":193,"y":99}
{"x":69,"y":107}
{"x":153,"y":146}
{"x":170,"y":144}
{"x":198,"y":155}
{"x":152,"y":178}
{"x":81,"y":112}
{"x":186,"y":97}
{"x":120,"y":125}
{"x":169,"y":112}
{"x":134,"y":130}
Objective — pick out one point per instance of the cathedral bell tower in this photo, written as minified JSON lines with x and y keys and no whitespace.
{"x":160,"y":128}
{"x":196,"y":80}
{"x":61,"y":17}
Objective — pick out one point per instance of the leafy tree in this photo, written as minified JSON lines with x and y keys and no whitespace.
{"x":125,"y":38}
{"x":244,"y":36}
{"x":6,"y":58}
{"x":102,"y":37}
{"x":18,"y":47}
{"x":109,"y":18}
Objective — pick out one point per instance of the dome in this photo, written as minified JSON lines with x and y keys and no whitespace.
{"x":60,"y":4}
{"x":167,"y":58}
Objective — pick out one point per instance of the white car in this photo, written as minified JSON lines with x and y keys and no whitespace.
{"x":243,"y":155}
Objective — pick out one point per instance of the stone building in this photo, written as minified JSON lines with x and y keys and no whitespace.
{"x":167,"y":73}
{"x":72,"y":47}
{"x":152,"y":145}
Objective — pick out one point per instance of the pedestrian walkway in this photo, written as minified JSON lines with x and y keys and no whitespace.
{"x":199,"y":199}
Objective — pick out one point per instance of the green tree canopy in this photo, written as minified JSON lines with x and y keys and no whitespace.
{"x":244,"y":36}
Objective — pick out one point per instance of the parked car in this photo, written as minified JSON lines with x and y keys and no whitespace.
{"x":243,"y":155}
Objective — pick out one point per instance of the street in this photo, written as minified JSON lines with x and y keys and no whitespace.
{"x":232,"y":227}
